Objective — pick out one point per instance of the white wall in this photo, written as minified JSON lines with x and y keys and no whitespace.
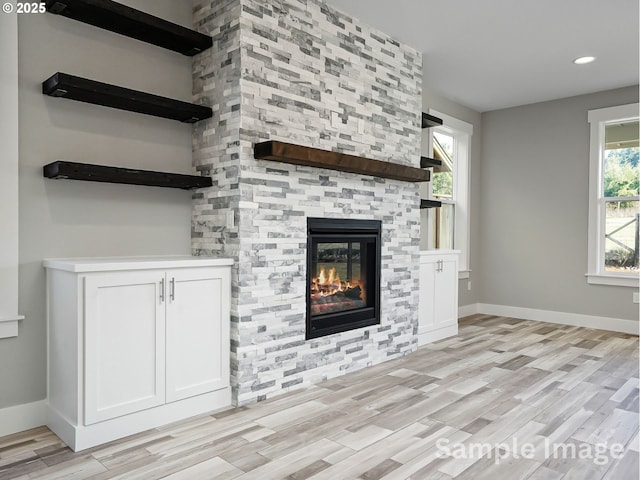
{"x":9,"y":173}
{"x":534,"y":196}
{"x":64,"y":218}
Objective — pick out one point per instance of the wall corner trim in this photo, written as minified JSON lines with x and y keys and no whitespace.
{"x":23,"y":417}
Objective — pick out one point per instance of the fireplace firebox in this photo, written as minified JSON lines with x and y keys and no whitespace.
{"x":343,"y":275}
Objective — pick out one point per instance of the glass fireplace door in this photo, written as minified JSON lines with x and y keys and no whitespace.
{"x":338,"y":281}
{"x":343,"y":274}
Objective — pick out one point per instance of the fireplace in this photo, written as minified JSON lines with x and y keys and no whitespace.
{"x":343,"y":275}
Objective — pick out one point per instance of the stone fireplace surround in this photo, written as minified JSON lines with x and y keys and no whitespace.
{"x":302,"y":72}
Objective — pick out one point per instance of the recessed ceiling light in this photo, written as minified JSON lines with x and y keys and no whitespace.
{"x":583,"y":60}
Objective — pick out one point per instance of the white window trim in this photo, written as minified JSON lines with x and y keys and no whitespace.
{"x":463,"y":132}
{"x":9,"y":178}
{"x":597,"y":120}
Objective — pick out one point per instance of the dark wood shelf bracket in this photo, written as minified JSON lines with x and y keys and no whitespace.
{"x":314,"y":157}
{"x":426,"y":162}
{"x":430,"y":203}
{"x":118,"y":18}
{"x":98,"y":93}
{"x":129,"y":176}
{"x":429,"y":121}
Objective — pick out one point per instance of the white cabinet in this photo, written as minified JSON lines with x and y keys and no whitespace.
{"x":135,"y":343}
{"x":124,"y":344}
{"x":438,"y":305}
{"x":195,"y":322}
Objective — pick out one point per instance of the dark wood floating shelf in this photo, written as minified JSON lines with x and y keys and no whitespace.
{"x":129,"y":176}
{"x":133,"y":23}
{"x":426,"y":162}
{"x":314,"y":157}
{"x":98,"y":93}
{"x":430,"y":203}
{"x":429,"y":121}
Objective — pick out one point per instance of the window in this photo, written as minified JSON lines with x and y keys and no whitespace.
{"x":447,"y":226}
{"x":442,"y":219}
{"x":614,"y":218}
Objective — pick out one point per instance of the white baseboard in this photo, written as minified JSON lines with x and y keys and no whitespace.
{"x":467,"y":310}
{"x":81,"y":437}
{"x":430,"y":336}
{"x":22,"y":417}
{"x":563,"y":318}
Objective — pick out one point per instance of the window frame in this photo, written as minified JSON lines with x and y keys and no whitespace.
{"x":598,"y":119}
{"x":461,"y":132}
{"x":9,"y":246}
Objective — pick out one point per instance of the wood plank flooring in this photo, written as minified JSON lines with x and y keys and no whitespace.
{"x":501,"y":383}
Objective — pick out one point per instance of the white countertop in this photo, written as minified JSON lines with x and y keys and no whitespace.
{"x":106,"y":264}
{"x":438,"y":251}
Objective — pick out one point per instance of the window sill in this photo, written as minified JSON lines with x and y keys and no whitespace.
{"x":9,"y":326}
{"x":615,"y":280}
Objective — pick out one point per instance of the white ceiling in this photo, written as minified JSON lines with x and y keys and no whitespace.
{"x":492,"y":54}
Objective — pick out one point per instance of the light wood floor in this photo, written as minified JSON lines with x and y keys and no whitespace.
{"x":501,"y":380}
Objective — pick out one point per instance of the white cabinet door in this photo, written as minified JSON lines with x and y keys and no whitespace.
{"x":438,"y":307}
{"x":124,"y":344}
{"x":446,"y":303}
{"x":197,"y":332}
{"x":427,"y":313}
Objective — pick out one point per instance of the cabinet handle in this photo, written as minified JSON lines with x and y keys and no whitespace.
{"x":162,"y":290}
{"x":172,"y":294}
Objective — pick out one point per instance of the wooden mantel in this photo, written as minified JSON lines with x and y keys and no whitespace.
{"x":314,"y":157}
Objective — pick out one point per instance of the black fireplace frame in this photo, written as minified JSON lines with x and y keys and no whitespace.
{"x":341,"y":230}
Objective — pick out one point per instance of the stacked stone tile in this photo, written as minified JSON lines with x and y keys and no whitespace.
{"x":301,"y":72}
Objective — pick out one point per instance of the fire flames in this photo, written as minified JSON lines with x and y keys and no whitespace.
{"x":329,"y":294}
{"x":328,"y":283}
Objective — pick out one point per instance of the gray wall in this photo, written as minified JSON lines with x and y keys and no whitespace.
{"x":431,"y":99}
{"x":533,"y":192}
{"x":61,"y":218}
